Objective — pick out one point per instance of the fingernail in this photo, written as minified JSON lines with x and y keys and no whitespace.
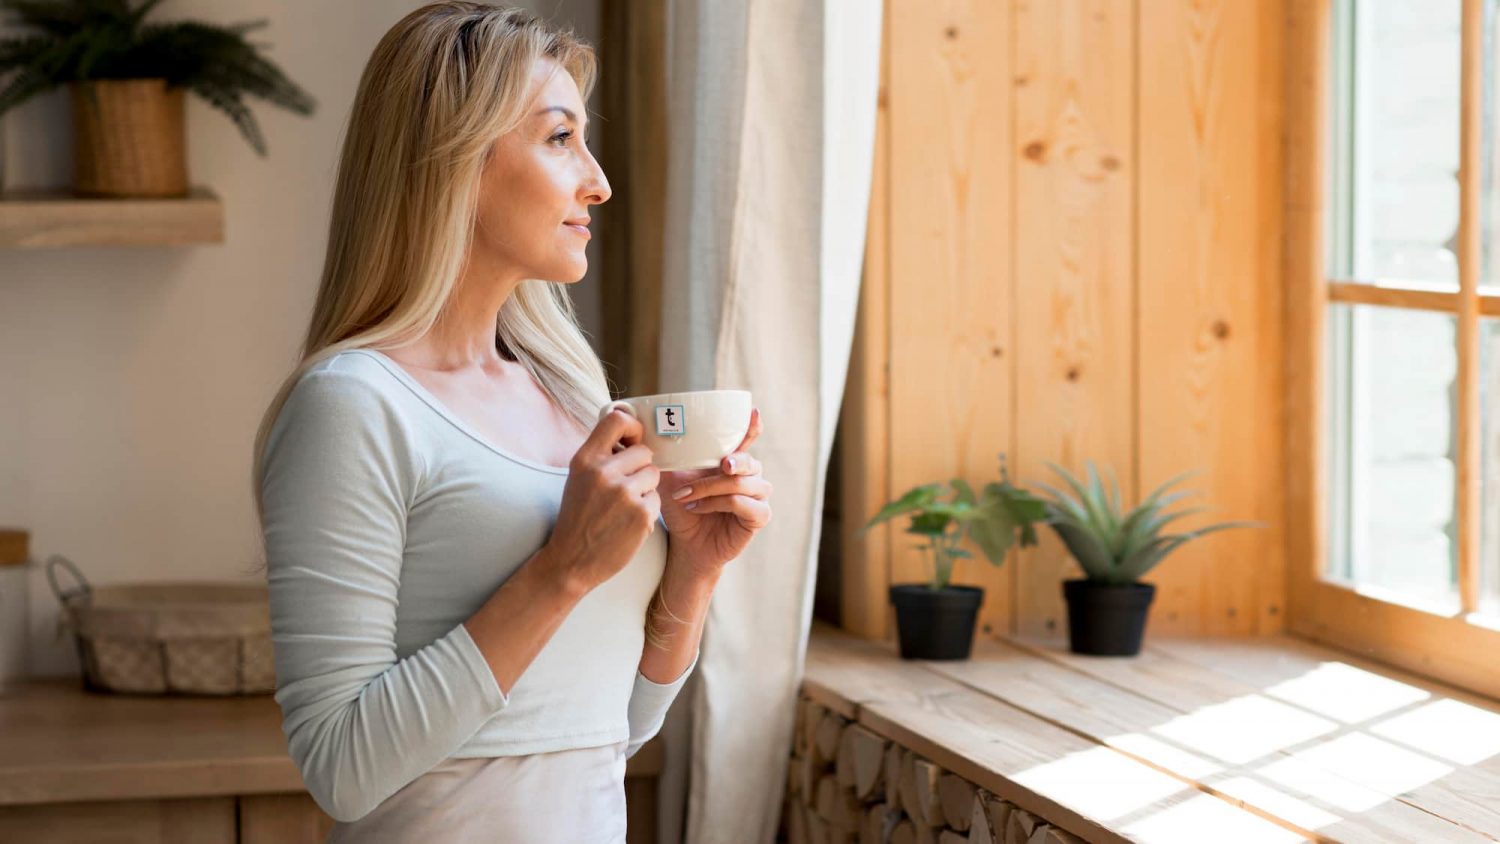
{"x":690,"y":505}
{"x":731,"y":464}
{"x":682,"y":492}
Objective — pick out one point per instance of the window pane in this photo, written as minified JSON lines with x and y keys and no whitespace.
{"x":1489,"y":403}
{"x":1395,"y":135}
{"x":1391,"y":472}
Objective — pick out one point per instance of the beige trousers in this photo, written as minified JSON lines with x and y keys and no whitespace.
{"x":565,"y":797}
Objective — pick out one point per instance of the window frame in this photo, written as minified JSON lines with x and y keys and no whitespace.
{"x":1462,"y":648}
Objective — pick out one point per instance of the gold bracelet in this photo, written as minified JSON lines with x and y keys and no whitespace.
{"x":658,"y":602}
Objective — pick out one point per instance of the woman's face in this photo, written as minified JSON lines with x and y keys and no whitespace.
{"x":536,"y":189}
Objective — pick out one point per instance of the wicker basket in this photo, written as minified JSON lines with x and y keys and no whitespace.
{"x":129,"y":138}
{"x":194,"y":638}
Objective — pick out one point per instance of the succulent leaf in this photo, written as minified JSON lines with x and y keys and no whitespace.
{"x":1111,"y":545}
{"x":1086,"y":548}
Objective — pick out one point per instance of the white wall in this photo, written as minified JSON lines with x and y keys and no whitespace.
{"x":132,"y":379}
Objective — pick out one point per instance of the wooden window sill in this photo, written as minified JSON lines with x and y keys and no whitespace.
{"x":1267,"y":738}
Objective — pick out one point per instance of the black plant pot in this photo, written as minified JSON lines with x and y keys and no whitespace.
{"x":1106,"y":619}
{"x":935,"y":623}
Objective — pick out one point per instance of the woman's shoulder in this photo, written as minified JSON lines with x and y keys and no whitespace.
{"x":347,"y":390}
{"x":353,"y":366}
{"x":342,"y":422}
{"x":352,"y":374}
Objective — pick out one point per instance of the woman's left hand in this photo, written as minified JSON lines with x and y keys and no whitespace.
{"x":722,"y":508}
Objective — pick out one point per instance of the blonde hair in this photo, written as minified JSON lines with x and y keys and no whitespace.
{"x":439,"y":88}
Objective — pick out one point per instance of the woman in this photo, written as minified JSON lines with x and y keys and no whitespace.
{"x":476,"y":614}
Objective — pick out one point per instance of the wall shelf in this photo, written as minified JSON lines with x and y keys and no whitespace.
{"x":41,"y":218}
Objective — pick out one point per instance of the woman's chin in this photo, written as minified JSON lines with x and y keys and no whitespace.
{"x":567,"y":267}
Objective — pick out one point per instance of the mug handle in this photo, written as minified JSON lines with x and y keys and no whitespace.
{"x":618,"y":403}
{"x":622,"y":405}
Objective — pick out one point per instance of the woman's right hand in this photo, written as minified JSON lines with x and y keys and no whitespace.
{"x":609,"y":504}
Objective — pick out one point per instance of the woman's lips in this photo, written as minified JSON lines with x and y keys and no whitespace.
{"x":583,"y":230}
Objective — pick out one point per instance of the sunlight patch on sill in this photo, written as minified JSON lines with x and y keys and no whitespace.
{"x":1165,"y":755}
{"x":1378,"y":764}
{"x":1099,"y":783}
{"x":1277,"y":802}
{"x":1321,"y":785}
{"x":1346,"y":693}
{"x":1244,"y":728}
{"x":1189,"y":820}
{"x":1455,"y":731}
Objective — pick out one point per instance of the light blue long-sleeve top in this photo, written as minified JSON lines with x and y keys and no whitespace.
{"x":388,"y":522}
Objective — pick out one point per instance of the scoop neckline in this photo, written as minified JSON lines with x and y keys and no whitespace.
{"x":453,"y":419}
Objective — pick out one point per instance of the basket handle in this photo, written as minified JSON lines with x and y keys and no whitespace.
{"x":65,"y":596}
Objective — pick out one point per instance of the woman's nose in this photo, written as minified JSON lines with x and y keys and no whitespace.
{"x":596,"y":189}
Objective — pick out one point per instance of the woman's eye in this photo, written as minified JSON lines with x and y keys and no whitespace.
{"x":562,"y":136}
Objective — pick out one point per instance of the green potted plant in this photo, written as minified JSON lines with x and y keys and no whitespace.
{"x":935,"y":620}
{"x":126,"y":80}
{"x":1107,"y":607}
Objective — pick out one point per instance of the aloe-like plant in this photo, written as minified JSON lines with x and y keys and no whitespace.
{"x":993,"y":520}
{"x":1119,"y":547}
{"x":81,"y":40}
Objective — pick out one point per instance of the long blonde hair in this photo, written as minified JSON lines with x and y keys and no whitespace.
{"x":439,"y":88}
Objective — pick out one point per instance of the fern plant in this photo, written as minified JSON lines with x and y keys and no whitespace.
{"x":992,"y":520}
{"x":82,"y":40}
{"x":1113,"y":546}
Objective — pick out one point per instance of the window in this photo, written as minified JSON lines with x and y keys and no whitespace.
{"x":1394,"y":155}
{"x":1393,"y":222}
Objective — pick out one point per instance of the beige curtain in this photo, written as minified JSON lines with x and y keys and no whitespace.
{"x":771,"y":125}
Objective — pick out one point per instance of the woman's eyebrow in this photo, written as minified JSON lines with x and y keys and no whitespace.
{"x":567,"y":112}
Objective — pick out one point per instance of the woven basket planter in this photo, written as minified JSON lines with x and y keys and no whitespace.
{"x":195,"y":638}
{"x":129,"y":139}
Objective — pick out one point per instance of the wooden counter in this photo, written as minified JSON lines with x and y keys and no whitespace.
{"x":63,"y":744}
{"x":174,"y":768}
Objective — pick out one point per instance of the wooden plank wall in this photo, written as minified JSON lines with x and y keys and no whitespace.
{"x":949,"y":337}
{"x":1074,"y":254}
{"x":1209,"y":295}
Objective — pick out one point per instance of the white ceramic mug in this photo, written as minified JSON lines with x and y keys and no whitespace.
{"x":691,"y":430}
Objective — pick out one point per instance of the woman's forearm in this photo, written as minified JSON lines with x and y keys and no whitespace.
{"x":521,"y":616}
{"x":675,"y":618}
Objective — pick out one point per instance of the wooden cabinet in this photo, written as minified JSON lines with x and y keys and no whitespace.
{"x":82,"y":767}
{"x":251,"y":819}
{"x":203,"y":820}
{"x":274,"y":818}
